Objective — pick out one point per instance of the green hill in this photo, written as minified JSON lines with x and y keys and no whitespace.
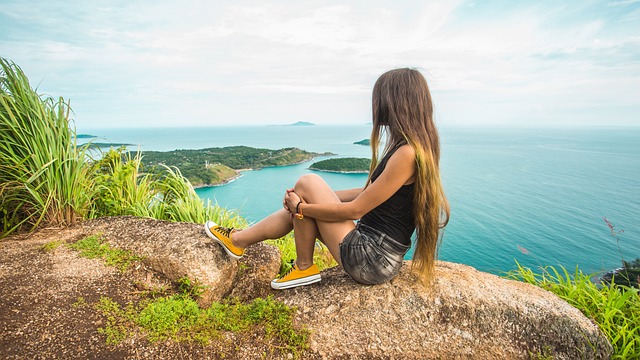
{"x":347,"y":165}
{"x":214,"y":166}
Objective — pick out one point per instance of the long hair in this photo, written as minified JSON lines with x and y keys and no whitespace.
{"x":403,"y":111}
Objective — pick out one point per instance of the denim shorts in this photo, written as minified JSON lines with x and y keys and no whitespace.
{"x":370,"y":256}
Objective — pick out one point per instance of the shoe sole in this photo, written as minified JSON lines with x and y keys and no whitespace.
{"x":294,"y":283}
{"x":214,"y":237}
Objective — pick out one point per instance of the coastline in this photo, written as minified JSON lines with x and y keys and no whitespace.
{"x":224,"y":181}
{"x":341,"y":171}
{"x":240,"y":171}
{"x":256,"y":160}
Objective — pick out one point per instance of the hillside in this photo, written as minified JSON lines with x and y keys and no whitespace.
{"x":343,"y":165}
{"x":214,"y":166}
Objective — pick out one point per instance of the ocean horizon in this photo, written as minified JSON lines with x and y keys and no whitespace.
{"x":537,"y":196}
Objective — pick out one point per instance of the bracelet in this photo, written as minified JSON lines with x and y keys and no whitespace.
{"x":299,"y":212}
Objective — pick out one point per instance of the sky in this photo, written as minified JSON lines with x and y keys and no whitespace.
{"x":140,"y":63}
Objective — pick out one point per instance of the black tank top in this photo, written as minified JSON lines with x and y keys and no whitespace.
{"x":393,"y":217}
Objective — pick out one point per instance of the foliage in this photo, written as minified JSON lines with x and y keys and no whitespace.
{"x":342,"y":165}
{"x":190,"y":288}
{"x":43,"y":177}
{"x":179,"y":318}
{"x":94,"y":247}
{"x":216,"y":165}
{"x":629,"y":274}
{"x":615,"y":308}
{"x":50,"y":246}
{"x":122,"y":188}
{"x":118,"y":320}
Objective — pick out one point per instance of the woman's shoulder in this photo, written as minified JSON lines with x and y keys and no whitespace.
{"x":404,"y":152}
{"x":404,"y":157}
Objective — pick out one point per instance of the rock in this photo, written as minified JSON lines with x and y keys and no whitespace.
{"x":260,"y":265}
{"x":172,"y":249}
{"x":465,"y":314}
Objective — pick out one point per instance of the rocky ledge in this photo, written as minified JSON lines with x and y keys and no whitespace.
{"x":464,"y":314}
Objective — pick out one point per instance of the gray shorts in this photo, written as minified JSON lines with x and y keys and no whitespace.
{"x":370,"y":256}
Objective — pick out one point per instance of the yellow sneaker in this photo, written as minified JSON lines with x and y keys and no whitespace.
{"x":222,"y":236}
{"x":296,"y":277}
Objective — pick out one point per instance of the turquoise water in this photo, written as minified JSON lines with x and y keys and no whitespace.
{"x":537,"y":196}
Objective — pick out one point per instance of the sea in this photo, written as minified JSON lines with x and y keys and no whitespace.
{"x":536,"y":197}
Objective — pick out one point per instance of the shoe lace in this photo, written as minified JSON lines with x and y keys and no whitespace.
{"x":224,"y":230}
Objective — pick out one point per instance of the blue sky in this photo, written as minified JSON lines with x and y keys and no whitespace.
{"x":138,"y":63}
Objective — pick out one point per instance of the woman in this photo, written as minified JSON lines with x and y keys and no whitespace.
{"x":403,"y":194}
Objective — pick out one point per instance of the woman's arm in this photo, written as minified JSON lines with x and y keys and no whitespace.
{"x":348,"y":195}
{"x":399,"y":170}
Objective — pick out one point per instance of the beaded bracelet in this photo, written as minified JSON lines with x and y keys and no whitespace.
{"x":299,"y":212}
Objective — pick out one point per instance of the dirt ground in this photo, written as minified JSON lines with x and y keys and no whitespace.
{"x":47,"y":309}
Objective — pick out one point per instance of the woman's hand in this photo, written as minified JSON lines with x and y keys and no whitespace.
{"x":291,"y":200}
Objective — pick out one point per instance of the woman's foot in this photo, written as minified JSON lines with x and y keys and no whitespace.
{"x":296,"y":277}
{"x":222,"y":235}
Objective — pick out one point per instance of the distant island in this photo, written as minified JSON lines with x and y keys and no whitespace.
{"x":302,"y":123}
{"x":85,"y":136}
{"x":107,"y":145}
{"x":363,"y":142}
{"x":100,"y":145}
{"x":215,"y":166}
{"x":343,"y":165}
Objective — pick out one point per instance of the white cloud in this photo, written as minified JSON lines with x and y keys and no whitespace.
{"x":156,"y":60}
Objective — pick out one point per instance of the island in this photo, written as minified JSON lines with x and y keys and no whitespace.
{"x":102,"y":145}
{"x":85,"y":136}
{"x":302,"y":123}
{"x":343,"y":165}
{"x":363,"y":142}
{"x":216,"y":166}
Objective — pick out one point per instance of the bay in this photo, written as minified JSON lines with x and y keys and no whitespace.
{"x":536,"y":196}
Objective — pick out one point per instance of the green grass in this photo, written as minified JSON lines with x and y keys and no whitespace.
{"x":51,"y":246}
{"x":179,"y":318}
{"x":43,"y":177}
{"x":93,"y":247}
{"x":47,"y":179}
{"x":615,"y":308}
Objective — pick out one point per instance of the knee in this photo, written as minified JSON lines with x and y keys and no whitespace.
{"x":306,"y":182}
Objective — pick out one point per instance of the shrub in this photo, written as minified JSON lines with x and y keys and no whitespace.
{"x":615,"y":308}
{"x":43,"y":176}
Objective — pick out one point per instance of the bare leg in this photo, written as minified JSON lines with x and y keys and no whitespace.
{"x":313,"y":189}
{"x":273,"y":226}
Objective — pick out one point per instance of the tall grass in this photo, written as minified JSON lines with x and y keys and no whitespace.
{"x":47,"y":179}
{"x":43,"y":178}
{"x":123,"y":188}
{"x":615,"y":308}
